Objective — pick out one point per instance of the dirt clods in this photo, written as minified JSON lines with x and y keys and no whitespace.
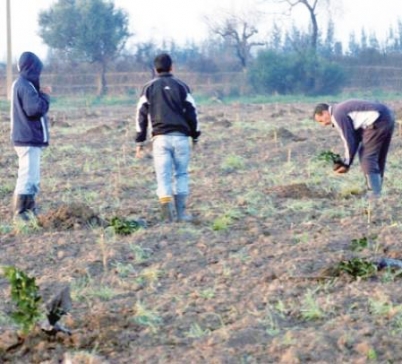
{"x":71,"y":216}
{"x":298,"y":191}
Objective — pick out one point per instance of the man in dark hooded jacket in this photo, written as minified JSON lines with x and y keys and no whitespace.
{"x":29,"y":132}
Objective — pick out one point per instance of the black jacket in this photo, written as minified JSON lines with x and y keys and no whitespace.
{"x":168,"y":104}
{"x":29,"y":124}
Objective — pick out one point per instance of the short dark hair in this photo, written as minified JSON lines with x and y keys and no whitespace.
{"x":163,"y":63}
{"x":320,"y":108}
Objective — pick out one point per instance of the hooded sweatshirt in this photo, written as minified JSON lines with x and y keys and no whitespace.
{"x":29,"y":106}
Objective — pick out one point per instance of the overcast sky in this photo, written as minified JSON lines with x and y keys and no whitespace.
{"x":183,"y":20}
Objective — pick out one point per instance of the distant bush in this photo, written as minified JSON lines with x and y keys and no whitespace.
{"x":275,"y":73}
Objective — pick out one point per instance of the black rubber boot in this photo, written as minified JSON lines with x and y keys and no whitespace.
{"x":180,"y":202}
{"x":24,"y":206}
{"x":167,"y":211}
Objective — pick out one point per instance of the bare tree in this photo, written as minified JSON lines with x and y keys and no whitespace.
{"x":237,"y":30}
{"x":312,"y":7}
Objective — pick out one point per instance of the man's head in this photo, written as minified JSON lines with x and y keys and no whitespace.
{"x":163,"y":63}
{"x":30,"y":67}
{"x":322,"y":114}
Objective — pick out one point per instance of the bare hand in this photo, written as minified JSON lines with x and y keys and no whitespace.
{"x":342,"y":170}
{"x":139,"y":152}
{"x":46,"y":89}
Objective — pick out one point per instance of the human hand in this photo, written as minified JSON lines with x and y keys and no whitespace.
{"x":339,"y":166}
{"x":341,"y":169}
{"x":139,"y":151}
{"x":46,"y":89}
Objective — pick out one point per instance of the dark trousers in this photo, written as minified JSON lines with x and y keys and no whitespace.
{"x":375,"y":145}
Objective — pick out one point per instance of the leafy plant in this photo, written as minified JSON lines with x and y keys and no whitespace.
{"x":329,"y":156}
{"x":25,"y":294}
{"x":357,"y":267}
{"x":359,"y":244}
{"x":123,"y":226}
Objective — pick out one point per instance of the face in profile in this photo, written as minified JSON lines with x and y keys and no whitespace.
{"x":324,"y":118}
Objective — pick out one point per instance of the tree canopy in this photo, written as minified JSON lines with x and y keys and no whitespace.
{"x":89,"y":30}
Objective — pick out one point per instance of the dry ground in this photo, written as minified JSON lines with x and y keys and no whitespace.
{"x":252,"y":281}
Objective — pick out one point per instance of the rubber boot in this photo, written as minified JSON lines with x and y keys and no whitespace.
{"x":180,"y":202}
{"x":31,"y":205}
{"x":167,"y":209}
{"x":23,"y":206}
{"x":374,"y":186}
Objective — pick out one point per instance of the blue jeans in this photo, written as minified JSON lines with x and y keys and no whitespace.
{"x":28,"y":170}
{"x":171,"y":158}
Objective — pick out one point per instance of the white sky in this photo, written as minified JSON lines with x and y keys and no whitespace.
{"x":183,"y":20}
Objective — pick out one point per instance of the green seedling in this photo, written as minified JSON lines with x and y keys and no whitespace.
{"x":147,"y":317}
{"x":25,"y":294}
{"x":310,"y":309}
{"x":328,"y":156}
{"x":357,"y":267}
{"x":196,"y":331}
{"x":123,"y":226}
{"x":359,"y":244}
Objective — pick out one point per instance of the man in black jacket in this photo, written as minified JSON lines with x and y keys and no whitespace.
{"x":29,"y":132}
{"x":365,"y":128}
{"x":166,"y":102}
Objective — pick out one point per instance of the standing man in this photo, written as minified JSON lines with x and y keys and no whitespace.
{"x":365,"y":128}
{"x":167,"y":103}
{"x":29,"y":132}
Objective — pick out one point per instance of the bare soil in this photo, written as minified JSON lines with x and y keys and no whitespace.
{"x":252,"y":280}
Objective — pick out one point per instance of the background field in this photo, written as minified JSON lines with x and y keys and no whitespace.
{"x":251,"y":281}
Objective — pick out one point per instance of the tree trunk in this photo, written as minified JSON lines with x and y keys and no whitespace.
{"x":102,"y":83}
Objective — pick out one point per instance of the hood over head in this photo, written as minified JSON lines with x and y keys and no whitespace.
{"x":30,"y":67}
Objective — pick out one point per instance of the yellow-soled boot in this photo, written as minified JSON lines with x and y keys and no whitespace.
{"x":167,"y":209}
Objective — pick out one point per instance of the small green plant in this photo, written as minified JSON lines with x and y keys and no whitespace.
{"x":270,"y":321}
{"x":397,"y":324}
{"x":328,"y":156}
{"x":146,"y":317}
{"x":123,"y":226}
{"x":371,"y":354}
{"x":141,"y":254}
{"x":197,"y":332}
{"x":6,"y":229}
{"x":357,"y":267}
{"x":22,"y":227}
{"x":149,"y":275}
{"x":123,"y":270}
{"x":25,"y":294}
{"x":233,"y":162}
{"x":222,"y":223}
{"x":310,"y":309}
{"x":359,"y":244}
{"x":380,"y":307}
{"x":207,"y":293}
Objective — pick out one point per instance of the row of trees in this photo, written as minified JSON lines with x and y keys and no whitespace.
{"x":286,"y":61}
